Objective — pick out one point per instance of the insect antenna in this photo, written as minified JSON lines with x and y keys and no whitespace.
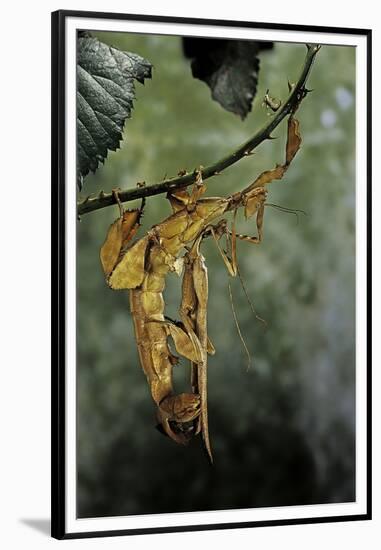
{"x":244,"y":288}
{"x":294,"y":211}
{"x":238,"y":327}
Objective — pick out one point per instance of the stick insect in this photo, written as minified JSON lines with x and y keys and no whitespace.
{"x":141,"y":267}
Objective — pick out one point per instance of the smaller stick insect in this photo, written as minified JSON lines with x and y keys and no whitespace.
{"x":271,"y":102}
{"x":141,"y":267}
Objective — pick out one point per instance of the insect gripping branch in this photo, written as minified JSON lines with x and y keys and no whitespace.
{"x":141,"y":267}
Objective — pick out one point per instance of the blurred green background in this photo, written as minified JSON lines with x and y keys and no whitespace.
{"x":282,"y":432}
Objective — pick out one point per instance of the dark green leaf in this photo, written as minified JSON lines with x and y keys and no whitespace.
{"x":229,"y":67}
{"x":105,"y":94}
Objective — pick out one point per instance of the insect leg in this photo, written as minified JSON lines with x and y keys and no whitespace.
{"x":119,"y":236}
{"x":182,"y":199}
{"x":193,"y":315}
{"x":200,"y":284}
{"x":217,"y":231}
{"x":253,"y":239}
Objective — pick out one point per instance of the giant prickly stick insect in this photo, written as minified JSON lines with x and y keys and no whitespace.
{"x":141,"y":267}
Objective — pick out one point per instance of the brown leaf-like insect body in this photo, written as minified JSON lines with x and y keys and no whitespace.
{"x":142,"y":266}
{"x":142,"y":269}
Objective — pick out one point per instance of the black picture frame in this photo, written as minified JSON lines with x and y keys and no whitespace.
{"x":58,"y":319}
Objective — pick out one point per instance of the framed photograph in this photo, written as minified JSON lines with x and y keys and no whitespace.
{"x":211,"y":274}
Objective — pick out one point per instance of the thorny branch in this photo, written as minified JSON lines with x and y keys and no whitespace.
{"x":297,"y":93}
